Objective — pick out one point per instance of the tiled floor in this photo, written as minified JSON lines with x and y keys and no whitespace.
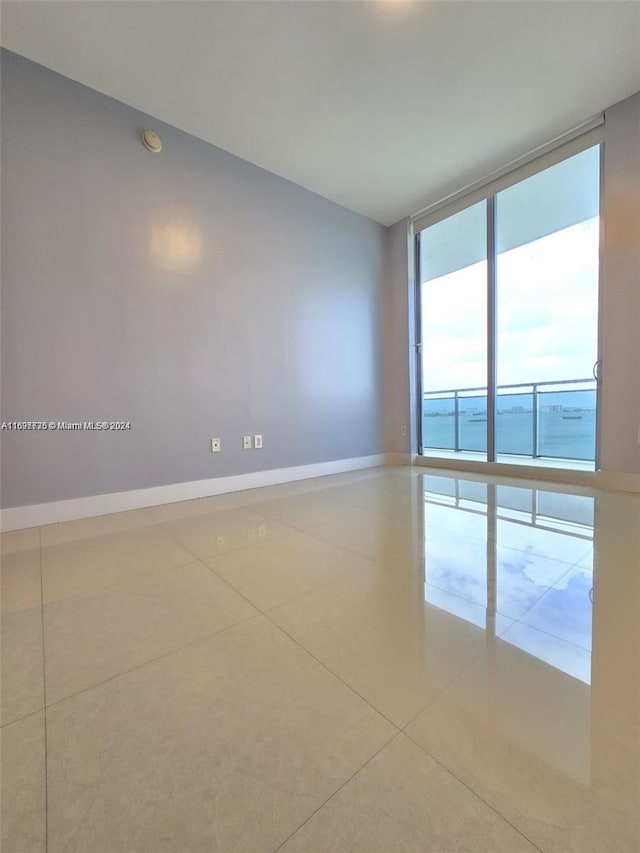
{"x":390,"y":660}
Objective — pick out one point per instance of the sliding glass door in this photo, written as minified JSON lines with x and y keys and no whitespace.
{"x":547,"y":239}
{"x":453,"y":307}
{"x":508,"y":321}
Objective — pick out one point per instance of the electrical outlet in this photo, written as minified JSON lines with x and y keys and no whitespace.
{"x":638,"y":435}
{"x":216,"y":445}
{"x":403,"y":429}
{"x":257,"y":442}
{"x":246,"y":442}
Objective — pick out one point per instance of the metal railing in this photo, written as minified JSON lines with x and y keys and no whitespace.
{"x":569,"y":444}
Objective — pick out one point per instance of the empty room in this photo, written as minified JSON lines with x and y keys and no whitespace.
{"x":320,"y":426}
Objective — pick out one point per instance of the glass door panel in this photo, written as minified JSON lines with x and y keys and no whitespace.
{"x":453,"y":305}
{"x":547,"y":243}
{"x":567,"y":422}
{"x":515,"y":420}
{"x":472,"y":421}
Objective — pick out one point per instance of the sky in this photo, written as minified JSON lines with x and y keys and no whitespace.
{"x":547,"y":315}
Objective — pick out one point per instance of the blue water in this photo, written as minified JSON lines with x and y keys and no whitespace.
{"x":566,"y":424}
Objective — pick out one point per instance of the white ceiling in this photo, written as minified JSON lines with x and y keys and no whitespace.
{"x":380,"y":106}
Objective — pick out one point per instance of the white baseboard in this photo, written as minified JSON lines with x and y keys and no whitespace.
{"x":613,"y":481}
{"x":35,"y":515}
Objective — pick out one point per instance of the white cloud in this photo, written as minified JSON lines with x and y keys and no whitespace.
{"x":547,"y":314}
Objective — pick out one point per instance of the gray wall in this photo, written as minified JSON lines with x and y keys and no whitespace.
{"x":620,"y":289}
{"x":396,"y":342}
{"x":188,"y":292}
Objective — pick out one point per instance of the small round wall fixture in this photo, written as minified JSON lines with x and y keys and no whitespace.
{"x":151,"y":141}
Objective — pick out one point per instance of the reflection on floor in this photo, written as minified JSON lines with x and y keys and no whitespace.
{"x":389,"y":660}
{"x":536,"y":566}
{"x":510,"y":459}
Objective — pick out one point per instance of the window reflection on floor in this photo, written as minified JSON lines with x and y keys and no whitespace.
{"x":516,"y":561}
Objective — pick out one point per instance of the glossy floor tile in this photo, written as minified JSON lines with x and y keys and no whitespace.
{"x":273,"y":572}
{"x":88,"y":528}
{"x":383,"y":640}
{"x":459,"y":565}
{"x":188,"y":509}
{"x":402,"y":800}
{"x":20,"y":583}
{"x":21,"y":665}
{"x":566,"y":610}
{"x":22,"y":797}
{"x":224,"y":530}
{"x":524,"y":735}
{"x":227,"y":745}
{"x":83,"y":566}
{"x":376,"y":496}
{"x":390,"y":660}
{"x":303,"y":511}
{"x":92,"y":638}
{"x":373,"y":535}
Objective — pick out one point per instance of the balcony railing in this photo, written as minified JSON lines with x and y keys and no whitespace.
{"x":553,"y":420}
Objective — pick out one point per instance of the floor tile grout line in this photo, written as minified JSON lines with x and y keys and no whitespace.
{"x":348,"y":550}
{"x":152,"y":660}
{"x":81,"y":541}
{"x":570,"y":563}
{"x":543,"y":595}
{"x":546,"y":633}
{"x":77,"y":596}
{"x":163,"y":525}
{"x":212,"y":557}
{"x":285,"y":523}
{"x":307,"y":532}
{"x":279,"y":628}
{"x":334,"y":674}
{"x":321,"y":585}
{"x":23,"y":717}
{"x":100,"y":590}
{"x":474,"y":792}
{"x":416,"y":570}
{"x":9,"y":616}
{"x":534,"y":602}
{"x":345,"y":506}
{"x":337,"y":791}
{"x":251,"y":604}
{"x":484,"y":652}
{"x":514,"y":619}
{"x":282,"y":631}
{"x":249,"y":507}
{"x":484,"y":607}
{"x":325,"y":666}
{"x":444,"y":689}
{"x":44,"y":699}
{"x":431,"y":701}
{"x":265,"y":615}
{"x":300,"y":530}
